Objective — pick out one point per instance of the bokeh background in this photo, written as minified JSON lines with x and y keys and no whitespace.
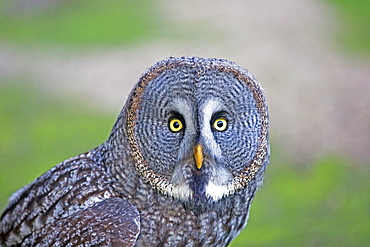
{"x":66,"y":68}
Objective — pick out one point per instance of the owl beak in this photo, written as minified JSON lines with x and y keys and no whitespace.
{"x":198,"y":156}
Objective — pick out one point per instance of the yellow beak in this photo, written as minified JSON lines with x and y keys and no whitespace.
{"x":198,"y":156}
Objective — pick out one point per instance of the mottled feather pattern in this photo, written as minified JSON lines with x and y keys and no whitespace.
{"x":73,"y":185}
{"x":141,"y":187}
{"x":111,"y":222}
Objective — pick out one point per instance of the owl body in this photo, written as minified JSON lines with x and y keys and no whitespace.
{"x":180,"y":168}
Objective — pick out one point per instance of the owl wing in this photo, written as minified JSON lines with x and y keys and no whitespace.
{"x":72,"y":202}
{"x":111,"y":222}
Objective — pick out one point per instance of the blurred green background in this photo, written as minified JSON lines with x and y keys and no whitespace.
{"x":322,"y":199}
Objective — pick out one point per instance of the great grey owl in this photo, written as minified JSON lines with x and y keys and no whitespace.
{"x":180,"y":168}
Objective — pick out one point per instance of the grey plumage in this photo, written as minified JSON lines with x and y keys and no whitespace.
{"x":180,"y":167}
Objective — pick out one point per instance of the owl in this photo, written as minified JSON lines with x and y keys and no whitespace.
{"x":180,"y":167}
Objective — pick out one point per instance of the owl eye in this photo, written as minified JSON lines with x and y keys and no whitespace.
{"x":220,"y":124}
{"x":175,"y":125}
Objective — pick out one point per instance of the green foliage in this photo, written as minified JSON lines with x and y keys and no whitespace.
{"x":122,"y":22}
{"x":78,"y":22}
{"x":37,"y":132}
{"x":323,"y":205}
{"x":354,"y":30}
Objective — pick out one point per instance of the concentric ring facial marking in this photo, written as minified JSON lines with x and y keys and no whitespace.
{"x":191,"y":70}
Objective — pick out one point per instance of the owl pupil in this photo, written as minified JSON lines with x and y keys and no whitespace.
{"x":176,"y":125}
{"x":220,"y":124}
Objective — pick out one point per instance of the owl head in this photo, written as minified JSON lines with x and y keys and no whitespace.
{"x":197,"y":128}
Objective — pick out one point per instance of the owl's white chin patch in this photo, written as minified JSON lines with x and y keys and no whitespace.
{"x":216,"y":192}
{"x":182,"y":192}
{"x":213,"y":191}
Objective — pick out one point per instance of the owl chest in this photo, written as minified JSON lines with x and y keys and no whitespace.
{"x":167,"y":222}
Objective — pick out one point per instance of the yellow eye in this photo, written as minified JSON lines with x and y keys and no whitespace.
{"x":175,"y":125}
{"x":220,"y":124}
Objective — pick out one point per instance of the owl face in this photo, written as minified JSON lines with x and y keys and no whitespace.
{"x":198,"y":128}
